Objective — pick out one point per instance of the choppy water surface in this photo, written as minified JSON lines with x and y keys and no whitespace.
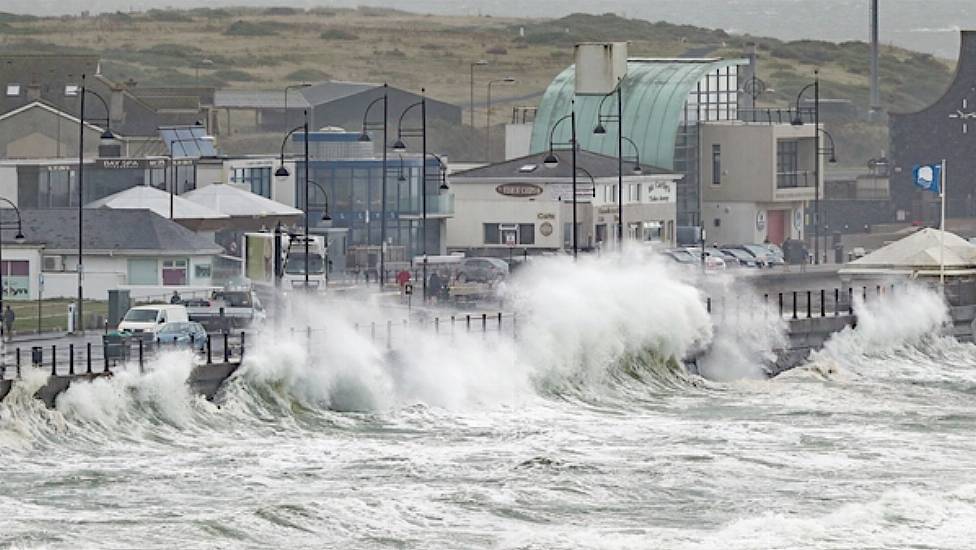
{"x":579,"y":436}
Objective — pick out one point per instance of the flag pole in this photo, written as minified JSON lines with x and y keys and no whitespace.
{"x":942,"y":196}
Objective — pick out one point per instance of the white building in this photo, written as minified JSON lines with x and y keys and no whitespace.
{"x":756,"y":178}
{"x":521,"y":206}
{"x":136,"y":250}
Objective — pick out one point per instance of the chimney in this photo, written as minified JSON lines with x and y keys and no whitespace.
{"x":33,"y":91}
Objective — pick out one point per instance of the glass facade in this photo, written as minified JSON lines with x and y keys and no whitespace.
{"x":354,"y":189}
{"x":257,"y":179}
{"x":56,"y":186}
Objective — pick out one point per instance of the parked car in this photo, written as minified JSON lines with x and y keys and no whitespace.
{"x":150,"y":318}
{"x":745,"y":259}
{"x":482,"y":270}
{"x":681,"y":256}
{"x":241,"y":308}
{"x":757,"y":251}
{"x":182,"y":334}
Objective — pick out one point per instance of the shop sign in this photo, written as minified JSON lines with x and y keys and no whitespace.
{"x":520,"y":190}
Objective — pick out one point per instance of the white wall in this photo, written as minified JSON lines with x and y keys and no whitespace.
{"x":476,"y":204}
{"x":31,"y":254}
{"x":104,"y":273}
{"x":739,"y":221}
{"x":518,"y":138}
{"x":8,"y":183}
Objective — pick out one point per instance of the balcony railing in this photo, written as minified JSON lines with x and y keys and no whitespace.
{"x":437,"y":205}
{"x":795,"y":180}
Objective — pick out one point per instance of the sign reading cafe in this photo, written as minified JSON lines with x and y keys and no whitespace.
{"x":519,"y":189}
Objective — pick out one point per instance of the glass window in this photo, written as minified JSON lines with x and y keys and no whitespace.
{"x":526,"y":233}
{"x":717,"y":164}
{"x":143,"y":271}
{"x":202,"y":271}
{"x":491,"y":233}
{"x":13,"y":90}
{"x":787,"y":163}
{"x":175,"y":272}
{"x":257,"y":179}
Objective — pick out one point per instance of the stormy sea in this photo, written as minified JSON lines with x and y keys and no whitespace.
{"x":580,"y":429}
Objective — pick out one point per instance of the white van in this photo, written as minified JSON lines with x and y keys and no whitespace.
{"x":150,"y":318}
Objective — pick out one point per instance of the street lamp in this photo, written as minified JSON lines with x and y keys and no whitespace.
{"x":551,"y":161}
{"x":479,"y":63}
{"x":283,"y":173}
{"x":798,"y":121}
{"x":507,"y":80}
{"x":287,"y":88}
{"x":400,"y":146}
{"x":600,"y":129}
{"x":364,"y":137}
{"x":18,"y":238}
{"x":82,"y":92}
{"x":831,"y":150}
{"x":325,"y":201}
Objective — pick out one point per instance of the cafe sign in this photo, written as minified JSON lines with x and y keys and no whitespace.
{"x":521,"y":190}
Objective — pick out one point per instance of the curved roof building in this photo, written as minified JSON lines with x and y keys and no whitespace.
{"x":663,"y":101}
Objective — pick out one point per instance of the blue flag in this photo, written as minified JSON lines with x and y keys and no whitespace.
{"x":928,"y":177}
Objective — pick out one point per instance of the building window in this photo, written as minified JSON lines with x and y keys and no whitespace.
{"x":716,"y":164}
{"x":13,"y":90}
{"x":509,"y":234}
{"x":143,"y":271}
{"x":16,"y":278}
{"x":257,"y":179}
{"x":491,"y":233}
{"x":635,"y":192}
{"x":202,"y":271}
{"x":788,"y":164}
{"x":601,"y":232}
{"x":174,"y":272}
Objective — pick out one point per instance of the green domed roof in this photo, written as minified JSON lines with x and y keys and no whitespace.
{"x":654,"y":93}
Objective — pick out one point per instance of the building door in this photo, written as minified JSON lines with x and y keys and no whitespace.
{"x":776,"y":226}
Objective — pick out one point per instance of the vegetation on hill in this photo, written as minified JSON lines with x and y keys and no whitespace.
{"x":270,"y":47}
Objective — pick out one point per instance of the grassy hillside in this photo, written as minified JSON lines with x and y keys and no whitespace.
{"x":253,"y":48}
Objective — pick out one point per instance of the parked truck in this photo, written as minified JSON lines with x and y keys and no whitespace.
{"x":259,"y":262}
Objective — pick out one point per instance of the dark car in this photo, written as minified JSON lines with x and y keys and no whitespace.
{"x":182,"y":334}
{"x":482,"y":270}
{"x":745,"y":259}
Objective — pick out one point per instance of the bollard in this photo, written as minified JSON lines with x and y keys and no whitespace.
{"x":499,"y":323}
{"x":226,"y":349}
{"x":765,"y":307}
{"x":71,"y":359}
{"x":809,"y":296}
{"x":389,"y":335}
{"x":209,"y":351}
{"x":850,"y":301}
{"x":794,"y":304}
{"x":437,"y":325}
{"x":823,"y":303}
{"x":192,"y":341}
{"x":452,"y":325}
{"x":484,"y":323}
{"x":88,"y":368}
{"x":54,"y":360}
{"x":141,"y":365}
{"x":242,"y":345}
{"x":708,"y":304}
{"x":780,"y":304}
{"x":18,"y":362}
{"x":105,"y":356}
{"x":864,"y":294}
{"x":467,"y":321}
{"x":879,"y":290}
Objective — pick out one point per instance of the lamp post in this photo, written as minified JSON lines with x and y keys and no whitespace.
{"x":82,"y":92}
{"x":798,"y":121}
{"x":287,"y":88}
{"x":364,"y":137}
{"x":507,"y":80}
{"x":283,"y":172}
{"x":600,"y":129}
{"x":551,"y":161}
{"x":479,"y":63}
{"x":400,"y":146}
{"x":19,"y":238}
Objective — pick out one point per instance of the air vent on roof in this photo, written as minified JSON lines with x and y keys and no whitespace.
{"x":528,"y":168}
